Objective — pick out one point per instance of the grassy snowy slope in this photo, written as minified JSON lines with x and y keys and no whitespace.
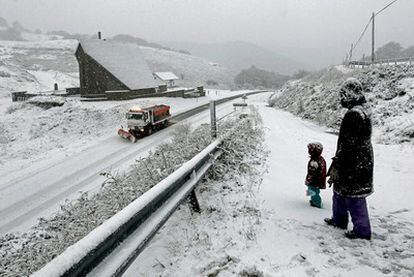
{"x":37,"y":65}
{"x":389,"y":91}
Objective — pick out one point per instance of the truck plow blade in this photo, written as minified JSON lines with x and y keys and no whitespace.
{"x":126,"y":135}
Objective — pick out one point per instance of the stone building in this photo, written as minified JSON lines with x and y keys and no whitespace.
{"x":113,"y":70}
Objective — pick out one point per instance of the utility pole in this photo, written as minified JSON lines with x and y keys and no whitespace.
{"x":350,"y":52}
{"x":373,"y":39}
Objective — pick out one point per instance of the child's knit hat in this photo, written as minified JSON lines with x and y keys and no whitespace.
{"x":315,"y":149}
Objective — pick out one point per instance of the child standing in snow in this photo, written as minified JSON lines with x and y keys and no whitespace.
{"x":316,"y":176}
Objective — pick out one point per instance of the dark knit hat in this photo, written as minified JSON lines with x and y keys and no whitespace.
{"x":351,"y":93}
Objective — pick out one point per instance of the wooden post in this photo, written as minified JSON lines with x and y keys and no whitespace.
{"x":363,"y":60}
{"x":373,"y":40}
{"x":213,"y":119}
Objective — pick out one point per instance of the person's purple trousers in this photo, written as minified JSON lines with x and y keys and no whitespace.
{"x":357,"y":207}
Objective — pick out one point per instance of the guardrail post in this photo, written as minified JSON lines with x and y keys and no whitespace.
{"x":213,"y":119}
{"x":195,"y":205}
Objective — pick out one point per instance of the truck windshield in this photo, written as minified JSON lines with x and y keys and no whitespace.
{"x":136,"y":116}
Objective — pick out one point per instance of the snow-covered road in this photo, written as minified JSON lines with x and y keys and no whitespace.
{"x":39,"y":190}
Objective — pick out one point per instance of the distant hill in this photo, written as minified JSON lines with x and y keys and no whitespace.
{"x":258,"y":78}
{"x":17,"y":32}
{"x":240,"y":55}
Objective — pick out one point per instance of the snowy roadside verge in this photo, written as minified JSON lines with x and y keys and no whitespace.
{"x":210,"y":243}
{"x":294,"y":240}
{"x":77,"y":218}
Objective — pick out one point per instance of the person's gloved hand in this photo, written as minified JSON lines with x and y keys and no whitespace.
{"x":330,"y":182}
{"x":333,"y":176}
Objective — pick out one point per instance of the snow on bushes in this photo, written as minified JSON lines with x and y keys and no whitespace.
{"x":22,"y":254}
{"x":47,"y":102}
{"x":210,"y":243}
{"x":389,"y":92}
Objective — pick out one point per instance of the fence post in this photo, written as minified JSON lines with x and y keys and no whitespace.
{"x":213,"y":119}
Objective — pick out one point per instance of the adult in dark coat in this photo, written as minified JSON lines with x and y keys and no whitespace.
{"x":351,"y":171}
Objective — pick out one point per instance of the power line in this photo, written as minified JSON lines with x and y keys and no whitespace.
{"x":380,"y":11}
{"x":353,"y":46}
{"x":362,"y":34}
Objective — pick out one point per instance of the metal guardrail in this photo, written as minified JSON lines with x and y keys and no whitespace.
{"x":138,"y":222}
{"x":207,"y":105}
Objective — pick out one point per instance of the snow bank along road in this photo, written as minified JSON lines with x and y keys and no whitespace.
{"x":39,"y":192}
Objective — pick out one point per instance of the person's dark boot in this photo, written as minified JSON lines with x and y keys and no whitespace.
{"x":331,"y":222}
{"x":315,"y":205}
{"x":352,"y":235}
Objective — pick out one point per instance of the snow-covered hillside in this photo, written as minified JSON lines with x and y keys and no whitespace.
{"x":38,"y":63}
{"x":389,"y":92}
{"x":195,"y":70}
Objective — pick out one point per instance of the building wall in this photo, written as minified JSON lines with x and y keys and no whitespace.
{"x":94,"y":78}
{"x":130,"y":94}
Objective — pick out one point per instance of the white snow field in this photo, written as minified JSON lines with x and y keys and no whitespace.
{"x":270,"y":229}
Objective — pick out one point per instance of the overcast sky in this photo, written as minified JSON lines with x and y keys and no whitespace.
{"x":319,"y":30}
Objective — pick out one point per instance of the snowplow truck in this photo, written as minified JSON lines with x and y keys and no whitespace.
{"x":143,"y":121}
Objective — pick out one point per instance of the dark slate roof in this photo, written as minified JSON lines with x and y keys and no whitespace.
{"x":124,"y":60}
